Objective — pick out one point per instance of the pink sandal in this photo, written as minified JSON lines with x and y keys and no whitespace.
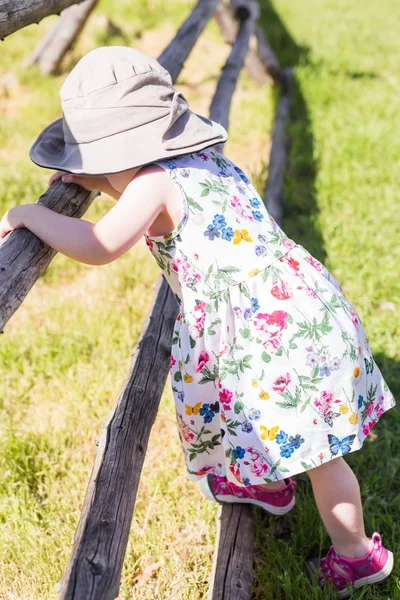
{"x":374,"y":566}
{"x":275,"y":502}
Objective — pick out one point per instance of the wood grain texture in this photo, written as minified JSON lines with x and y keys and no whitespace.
{"x":94,"y":570}
{"x":24,"y":257}
{"x":220,"y":105}
{"x":174,"y":56}
{"x":273,"y":196}
{"x":50,"y":51}
{"x":231,"y":577}
{"x":15,"y":14}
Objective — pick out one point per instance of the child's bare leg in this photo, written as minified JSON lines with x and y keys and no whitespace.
{"x":337,"y":495}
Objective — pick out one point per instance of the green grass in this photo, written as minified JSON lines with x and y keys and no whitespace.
{"x":66,"y":352}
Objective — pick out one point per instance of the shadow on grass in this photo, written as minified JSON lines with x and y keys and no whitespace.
{"x":282,"y":545}
{"x":300,"y":198}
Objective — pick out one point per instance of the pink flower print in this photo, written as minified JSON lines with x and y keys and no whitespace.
{"x":199,"y":311}
{"x":172,"y":362}
{"x":196,"y":256}
{"x":187,"y":435}
{"x":369,"y":409}
{"x":177,"y":264}
{"x":234,"y":469}
{"x":201,"y":362}
{"x":271,"y":327}
{"x":203,"y":156}
{"x":225,"y":396}
{"x":314,"y":262}
{"x":280,"y":384}
{"x":224,"y":349}
{"x":323,"y":402}
{"x":366,"y":429}
{"x":354,"y":318}
{"x":149,"y":244}
{"x":294,"y":264}
{"x":281,"y":290}
{"x":235,"y":202}
{"x":195,"y":330}
{"x":310,"y":292}
{"x":288,"y":243}
{"x":259,"y":468}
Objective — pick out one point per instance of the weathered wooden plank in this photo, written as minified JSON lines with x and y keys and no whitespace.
{"x":24,"y":257}
{"x":15,"y":14}
{"x":50,"y":51}
{"x":94,"y":570}
{"x":231,"y":577}
{"x":273,"y":196}
{"x":220,"y":105}
{"x":229,"y":26}
{"x":174,"y":56}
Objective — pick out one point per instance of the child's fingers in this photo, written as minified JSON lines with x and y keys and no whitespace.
{"x":56,"y":176}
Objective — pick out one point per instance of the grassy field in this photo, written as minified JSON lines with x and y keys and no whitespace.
{"x":65,"y":354}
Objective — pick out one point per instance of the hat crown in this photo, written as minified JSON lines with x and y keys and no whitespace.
{"x":108,"y":66}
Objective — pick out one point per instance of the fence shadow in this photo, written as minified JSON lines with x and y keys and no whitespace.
{"x":300,"y":197}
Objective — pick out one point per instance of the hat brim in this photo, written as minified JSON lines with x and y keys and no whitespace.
{"x":125,"y":150}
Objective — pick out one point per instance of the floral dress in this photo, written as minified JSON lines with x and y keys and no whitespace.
{"x":271,"y":368}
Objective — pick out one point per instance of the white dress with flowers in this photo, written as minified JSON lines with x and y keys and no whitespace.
{"x":271,"y":368}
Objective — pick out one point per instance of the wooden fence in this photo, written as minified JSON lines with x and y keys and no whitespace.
{"x":94,"y":569}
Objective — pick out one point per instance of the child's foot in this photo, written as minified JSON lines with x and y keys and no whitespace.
{"x":276,"y":502}
{"x":374,"y":566}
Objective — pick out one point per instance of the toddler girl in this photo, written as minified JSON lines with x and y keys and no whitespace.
{"x":271,"y":368}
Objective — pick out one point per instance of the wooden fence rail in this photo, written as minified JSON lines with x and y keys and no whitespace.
{"x":15,"y":14}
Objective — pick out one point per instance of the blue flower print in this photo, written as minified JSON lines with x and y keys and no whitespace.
{"x":261,"y":251}
{"x":247,"y":427}
{"x":281,"y":437}
{"x":238,"y":452}
{"x":237,"y":310}
{"x":324,"y":370}
{"x":247,"y":314}
{"x":334,"y":364}
{"x":287,"y":451}
{"x":246,"y":481}
{"x":207,"y":413}
{"x":242,"y":175}
{"x":181,"y":396}
{"x":263,"y":238}
{"x":254,"y":414}
{"x":296,"y":441}
{"x":223,"y":173}
{"x":212,"y":232}
{"x":255,"y":203}
{"x":219,"y":221}
{"x":227,"y":233}
{"x":360,"y":401}
{"x":185,"y":172}
{"x":257,"y":215}
{"x":254,"y":305}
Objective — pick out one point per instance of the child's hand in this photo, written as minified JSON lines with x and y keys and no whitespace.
{"x":89,"y":182}
{"x":12,"y":219}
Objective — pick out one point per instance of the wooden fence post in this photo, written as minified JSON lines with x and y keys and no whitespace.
{"x":50,"y":51}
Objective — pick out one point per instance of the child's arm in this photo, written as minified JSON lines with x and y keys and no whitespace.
{"x":89,"y":182}
{"x":100,"y":243}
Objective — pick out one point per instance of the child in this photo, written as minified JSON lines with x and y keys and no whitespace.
{"x":272,"y":371}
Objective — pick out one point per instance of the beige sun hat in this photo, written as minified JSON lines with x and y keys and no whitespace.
{"x":120,"y":110}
